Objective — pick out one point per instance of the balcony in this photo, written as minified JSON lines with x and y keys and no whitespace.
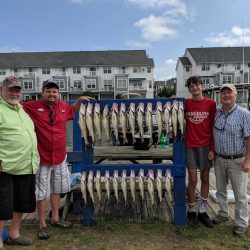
{"x":107,"y":88}
{"x":23,"y":74}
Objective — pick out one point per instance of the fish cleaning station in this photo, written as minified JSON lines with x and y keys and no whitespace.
{"x":137,"y":128}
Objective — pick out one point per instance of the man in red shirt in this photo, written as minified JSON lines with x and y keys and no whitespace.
{"x":199,"y":114}
{"x":50,"y":116}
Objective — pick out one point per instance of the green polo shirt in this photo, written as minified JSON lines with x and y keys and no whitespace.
{"x":18,"y":144}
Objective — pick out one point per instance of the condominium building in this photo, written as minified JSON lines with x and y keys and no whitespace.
{"x":105,"y":73}
{"x":216,"y":66}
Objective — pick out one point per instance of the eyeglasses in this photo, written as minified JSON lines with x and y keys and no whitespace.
{"x":51,"y":117}
{"x":220,"y":124}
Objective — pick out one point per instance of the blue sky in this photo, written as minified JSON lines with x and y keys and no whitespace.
{"x":164,"y":28}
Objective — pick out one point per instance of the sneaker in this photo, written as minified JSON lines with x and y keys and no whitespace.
{"x":205,"y":220}
{"x":239,"y":231}
{"x":192,"y":220}
{"x":219,"y":219}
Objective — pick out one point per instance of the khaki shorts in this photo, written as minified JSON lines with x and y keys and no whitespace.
{"x":52,"y":179}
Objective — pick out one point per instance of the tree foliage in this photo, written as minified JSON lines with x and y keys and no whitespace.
{"x":167,"y":92}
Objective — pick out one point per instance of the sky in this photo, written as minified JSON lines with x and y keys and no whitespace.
{"x":164,"y":28}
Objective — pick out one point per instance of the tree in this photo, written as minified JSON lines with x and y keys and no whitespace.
{"x":167,"y":92}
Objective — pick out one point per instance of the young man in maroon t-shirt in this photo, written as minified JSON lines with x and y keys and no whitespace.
{"x":199,"y":114}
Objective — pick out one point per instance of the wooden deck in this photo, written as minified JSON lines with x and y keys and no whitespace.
{"x":139,"y":211}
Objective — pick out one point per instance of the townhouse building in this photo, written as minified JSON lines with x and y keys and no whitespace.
{"x":105,"y":73}
{"x":216,"y":66}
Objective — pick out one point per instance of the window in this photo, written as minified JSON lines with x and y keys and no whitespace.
{"x":61,"y":83}
{"x":26,"y":97}
{"x":91,"y":83}
{"x":237,"y":79}
{"x":237,"y":66}
{"x":220,"y":65}
{"x":137,"y":85}
{"x":150,"y":84}
{"x":248,"y":65}
{"x":76,"y":70}
{"x":92,"y":71}
{"x":136,"y":69}
{"x":205,"y":80}
{"x":108,"y":85}
{"x":107,"y":70}
{"x":149,"y":69}
{"x":187,"y":68}
{"x":2,"y":72}
{"x":205,"y":67}
{"x":122,"y":70}
{"x":27,"y":84}
{"x":78,"y":84}
{"x":226,"y":79}
{"x":121,"y":82}
{"x":45,"y":71}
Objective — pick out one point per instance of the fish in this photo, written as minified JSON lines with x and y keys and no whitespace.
{"x":174,"y":116}
{"x":141,"y":183}
{"x":106,"y":122}
{"x":132,"y":183}
{"x":114,"y":121}
{"x":169,"y":185}
{"x":90,"y":185}
{"x":123,"y":122}
{"x":181,"y":117}
{"x":151,"y":180}
{"x":98,"y":184}
{"x":107,"y":183}
{"x":97,"y":122}
{"x":140,"y":118}
{"x":115,"y":184}
{"x":131,"y":120}
{"x":82,"y":124}
{"x":124,"y":184}
{"x":83,"y":186}
{"x":167,"y":112}
{"x":89,"y":122}
{"x":159,"y":184}
{"x":159,"y":119}
{"x":149,"y":120}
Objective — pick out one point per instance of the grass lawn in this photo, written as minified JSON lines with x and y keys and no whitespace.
{"x":107,"y":235}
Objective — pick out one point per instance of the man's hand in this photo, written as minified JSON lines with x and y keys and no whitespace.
{"x":85,"y":98}
{"x":245,"y":166}
{"x":210,"y":155}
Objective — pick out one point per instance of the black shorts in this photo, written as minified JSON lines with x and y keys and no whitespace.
{"x":17,"y":194}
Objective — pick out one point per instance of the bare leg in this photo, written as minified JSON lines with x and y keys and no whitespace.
{"x":14,"y":232}
{"x":204,"y":183}
{"x":192,"y":182}
{"x":55,"y":202}
{"x":2,"y":222}
{"x":42,"y":207}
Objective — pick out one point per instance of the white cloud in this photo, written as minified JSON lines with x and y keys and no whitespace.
{"x":166,"y":70}
{"x":137,"y":44}
{"x":234,"y":37}
{"x":7,"y":49}
{"x":155,"y":28}
{"x":170,"y":62}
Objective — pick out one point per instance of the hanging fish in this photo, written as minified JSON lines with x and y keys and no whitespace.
{"x":159,"y":184}
{"x":89,"y":122}
{"x":141,"y":183}
{"x":131,"y":120}
{"x":149,"y":121}
{"x":116,"y":184}
{"x":82,"y":124}
{"x":97,"y":122}
{"x":167,"y":112}
{"x":98,"y":184}
{"x":114,"y":121}
{"x":106,"y":121}
{"x":174,"y":116}
{"x":90,"y":185}
{"x":181,"y":117}
{"x":124,"y":184}
{"x":132,"y":183}
{"x":107,"y":183}
{"x":169,"y":185}
{"x":140,"y":119}
{"x":159,"y":119}
{"x":151,"y":180}
{"x":84,"y":186}
{"x":123,"y":122}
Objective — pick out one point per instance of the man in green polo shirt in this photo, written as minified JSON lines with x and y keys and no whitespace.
{"x":19,"y":161}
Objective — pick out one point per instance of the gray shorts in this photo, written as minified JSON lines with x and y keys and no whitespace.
{"x":198,"y":158}
{"x":52,"y":179}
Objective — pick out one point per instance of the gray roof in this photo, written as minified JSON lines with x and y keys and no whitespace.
{"x":185,"y":61}
{"x":220,"y":54}
{"x":75,"y":58}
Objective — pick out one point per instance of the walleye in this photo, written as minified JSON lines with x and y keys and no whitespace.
{"x":140,"y":114}
{"x":84,"y":186}
{"x":124,"y":184}
{"x":89,"y":122}
{"x":106,"y":121}
{"x":123,"y":122}
{"x":90,"y":185}
{"x":159,"y":184}
{"x":107,"y":183}
{"x":97,"y":122}
{"x":132,"y":183}
{"x":114,"y":121}
{"x":82,"y":124}
{"x":141,"y":183}
{"x":149,"y":121}
{"x":159,"y":119}
{"x":181,"y":117}
{"x":151,"y":180}
{"x":167,"y":110}
{"x":169,"y":185}
{"x":131,"y":120}
{"x":98,"y":184}
{"x":115,"y":184}
{"x":174,"y":116}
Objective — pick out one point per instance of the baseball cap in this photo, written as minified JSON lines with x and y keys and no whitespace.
{"x":228,"y":86}
{"x":50,"y":83}
{"x":12,"y":81}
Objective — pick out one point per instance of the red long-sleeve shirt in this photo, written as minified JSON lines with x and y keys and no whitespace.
{"x":51,"y":137}
{"x":199,"y":122}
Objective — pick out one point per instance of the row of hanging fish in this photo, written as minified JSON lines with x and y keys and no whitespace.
{"x":133,"y":120}
{"x":91,"y":183}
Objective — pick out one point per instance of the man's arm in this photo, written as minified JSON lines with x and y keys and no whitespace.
{"x":245,"y":167}
{"x":76,"y":105}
